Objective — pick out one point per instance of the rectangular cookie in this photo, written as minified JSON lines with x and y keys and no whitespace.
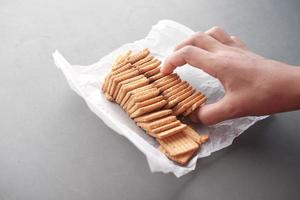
{"x":185,"y":104}
{"x":144,"y":60}
{"x":170,"y":132}
{"x":149,"y":108}
{"x":170,"y":84}
{"x":194,"y":106}
{"x":152,"y":72}
{"x":142,"y":96}
{"x":149,"y":126}
{"x":178,"y":144}
{"x":182,"y":159}
{"x":180,"y":98}
{"x":176,"y":90}
{"x":200,"y":139}
{"x":156,"y":77}
{"x":130,"y":86}
{"x":165,"y":127}
{"x":128,"y":95}
{"x":153,"y":116}
{"x":130,"y":80}
{"x":138,"y":56}
{"x":145,"y":103}
{"x":149,"y":62}
{"x":120,"y":77}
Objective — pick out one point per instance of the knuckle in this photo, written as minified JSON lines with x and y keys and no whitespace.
{"x":231,"y":110}
{"x":187,"y":50}
{"x":234,"y":37}
{"x":217,"y":29}
{"x":198,"y":34}
{"x":235,"y":109}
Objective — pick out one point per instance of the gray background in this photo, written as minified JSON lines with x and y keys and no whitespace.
{"x":53,"y":147}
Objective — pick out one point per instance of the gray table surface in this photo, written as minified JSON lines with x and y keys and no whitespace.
{"x":53,"y":147}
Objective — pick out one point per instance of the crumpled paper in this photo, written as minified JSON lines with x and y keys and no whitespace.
{"x":161,"y":40}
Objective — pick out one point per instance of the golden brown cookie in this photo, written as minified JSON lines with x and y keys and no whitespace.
{"x":178,"y":144}
{"x":145,"y":103}
{"x":128,"y":95}
{"x":152,"y":72}
{"x":156,"y":77}
{"x":144,"y":110}
{"x":130,"y":86}
{"x":144,"y":60}
{"x":153,"y":116}
{"x":194,"y":106}
{"x":130,"y":80}
{"x":165,"y":127}
{"x":141,"y":96}
{"x":181,"y":159}
{"x":138,"y":56}
{"x":121,"y":78}
{"x":170,"y":84}
{"x":185,"y":104}
{"x":123,"y":57}
{"x":149,"y":67}
{"x":171,"y":131}
{"x":195,"y":136}
{"x":176,"y":91}
{"x":180,"y":98}
{"x":148,"y":126}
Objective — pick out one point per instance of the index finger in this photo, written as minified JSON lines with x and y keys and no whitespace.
{"x":192,"y":55}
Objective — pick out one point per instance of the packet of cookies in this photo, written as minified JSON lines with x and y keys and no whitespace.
{"x":127,"y":91}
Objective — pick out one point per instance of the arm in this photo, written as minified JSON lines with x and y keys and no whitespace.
{"x":253,"y":85}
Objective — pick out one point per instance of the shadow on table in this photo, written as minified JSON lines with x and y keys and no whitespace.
{"x":252,"y":138}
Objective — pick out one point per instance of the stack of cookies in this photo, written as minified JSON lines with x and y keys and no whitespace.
{"x":154,"y":100}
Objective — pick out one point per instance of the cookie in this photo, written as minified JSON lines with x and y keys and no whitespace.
{"x":128,"y":95}
{"x":138,"y":56}
{"x":130,"y":86}
{"x":200,"y":139}
{"x":148,"y":126}
{"x":149,"y":67}
{"x":121,"y":78}
{"x":145,"y":103}
{"x":180,"y":98}
{"x":176,"y":90}
{"x":130,"y":80}
{"x":194,"y":106}
{"x":152,"y":72}
{"x":141,"y":96}
{"x":178,"y":144}
{"x":149,"y":108}
{"x":165,"y":127}
{"x":153,"y":116}
{"x":182,"y":159}
{"x":185,"y":104}
{"x":170,"y":84}
{"x":171,"y":131}
{"x":156,"y":77}
{"x":144,"y":60}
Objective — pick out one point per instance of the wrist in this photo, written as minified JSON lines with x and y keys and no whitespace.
{"x":292,"y":87}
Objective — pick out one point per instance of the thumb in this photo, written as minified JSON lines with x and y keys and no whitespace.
{"x":215,"y":112}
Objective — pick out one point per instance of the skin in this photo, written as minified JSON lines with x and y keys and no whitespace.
{"x":253,"y":85}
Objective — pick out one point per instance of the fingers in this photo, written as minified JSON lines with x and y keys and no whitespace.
{"x":212,"y":40}
{"x":190,"y":55}
{"x":219,"y":34}
{"x":214,"y":113}
{"x":223,"y":37}
{"x":200,"y":40}
{"x":238,"y":42}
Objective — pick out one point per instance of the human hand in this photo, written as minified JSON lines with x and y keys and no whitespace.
{"x":253,"y":85}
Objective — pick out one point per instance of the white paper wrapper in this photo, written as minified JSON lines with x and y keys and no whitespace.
{"x":162,"y":38}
